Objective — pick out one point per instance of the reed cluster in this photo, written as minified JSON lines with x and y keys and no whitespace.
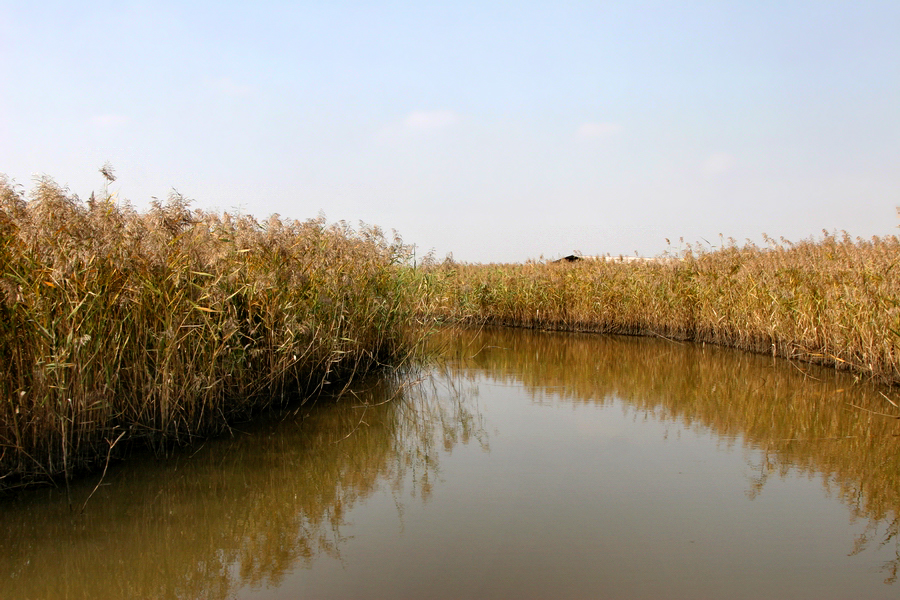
{"x":166,"y":324}
{"x":834,"y":301}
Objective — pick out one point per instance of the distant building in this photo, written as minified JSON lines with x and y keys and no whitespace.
{"x":622,"y":258}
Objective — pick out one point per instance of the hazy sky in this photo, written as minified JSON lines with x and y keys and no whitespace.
{"x":500,"y":131}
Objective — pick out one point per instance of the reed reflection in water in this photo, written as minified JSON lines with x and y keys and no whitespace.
{"x":525,"y":465}
{"x":238,"y":513}
{"x":804,"y":420}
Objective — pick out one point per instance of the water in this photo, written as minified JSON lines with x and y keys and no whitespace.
{"x":525,"y":465}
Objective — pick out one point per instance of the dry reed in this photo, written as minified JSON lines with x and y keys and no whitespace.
{"x":834,"y":301}
{"x":170,"y":323}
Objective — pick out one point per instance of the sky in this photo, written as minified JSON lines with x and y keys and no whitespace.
{"x":495,"y":131}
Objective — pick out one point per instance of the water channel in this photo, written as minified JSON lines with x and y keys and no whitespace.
{"x":520,"y":465}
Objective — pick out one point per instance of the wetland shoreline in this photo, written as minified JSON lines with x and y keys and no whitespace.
{"x":835,"y":301}
{"x":165,"y":326}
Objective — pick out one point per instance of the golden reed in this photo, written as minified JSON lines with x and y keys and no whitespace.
{"x":164,"y":325}
{"x":167,"y":324}
{"x":834,"y":301}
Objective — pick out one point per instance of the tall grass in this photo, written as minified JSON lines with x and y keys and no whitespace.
{"x":834,"y":301}
{"x":167,"y":324}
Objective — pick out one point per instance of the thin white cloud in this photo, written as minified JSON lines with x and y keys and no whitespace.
{"x":229,"y":87}
{"x":433,"y":120}
{"x":110,"y":121}
{"x":715,"y":164}
{"x":595,"y":130}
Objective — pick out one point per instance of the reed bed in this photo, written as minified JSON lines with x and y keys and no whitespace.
{"x":167,"y":324}
{"x":834,"y":301}
{"x":164,"y":325}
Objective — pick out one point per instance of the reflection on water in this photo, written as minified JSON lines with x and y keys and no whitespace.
{"x":397,"y":490}
{"x":236,"y":512}
{"x":804,"y":419}
{"x":778,"y":406}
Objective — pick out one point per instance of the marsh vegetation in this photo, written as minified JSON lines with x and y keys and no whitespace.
{"x":119,"y":326}
{"x":834,"y":301}
{"x":168,"y":324}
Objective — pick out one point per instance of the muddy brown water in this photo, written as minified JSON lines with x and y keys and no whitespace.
{"x":523,"y":465}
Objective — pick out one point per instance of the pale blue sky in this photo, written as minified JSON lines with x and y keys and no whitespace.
{"x":500,"y":131}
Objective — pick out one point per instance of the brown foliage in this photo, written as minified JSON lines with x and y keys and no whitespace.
{"x":167,"y":324}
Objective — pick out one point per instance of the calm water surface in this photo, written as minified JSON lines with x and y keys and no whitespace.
{"x":526,"y":465}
